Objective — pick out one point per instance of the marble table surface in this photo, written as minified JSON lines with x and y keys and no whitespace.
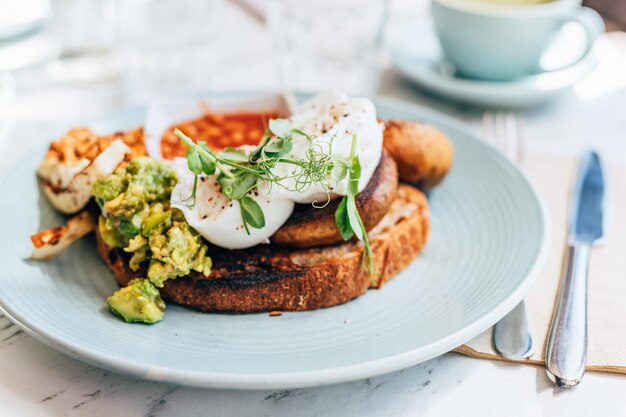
{"x":35,"y":380}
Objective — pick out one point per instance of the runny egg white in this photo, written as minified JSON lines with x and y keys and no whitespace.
{"x":332,"y":119}
{"x":217,"y":218}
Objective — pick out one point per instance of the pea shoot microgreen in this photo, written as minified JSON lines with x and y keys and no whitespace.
{"x":347,"y":215}
{"x":239,"y":174}
{"x":236,"y":183}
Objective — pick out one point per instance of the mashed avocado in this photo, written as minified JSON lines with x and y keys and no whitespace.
{"x":126,"y":195}
{"x":137,"y":218}
{"x":138,"y":302}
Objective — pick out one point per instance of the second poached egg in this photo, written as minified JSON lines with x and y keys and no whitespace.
{"x":331,"y":119}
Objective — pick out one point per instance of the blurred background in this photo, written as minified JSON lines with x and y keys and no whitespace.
{"x":81,"y":58}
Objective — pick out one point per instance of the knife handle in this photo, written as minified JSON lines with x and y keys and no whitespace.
{"x":566,"y":353}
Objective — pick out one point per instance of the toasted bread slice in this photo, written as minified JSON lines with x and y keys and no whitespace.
{"x":270,"y":278}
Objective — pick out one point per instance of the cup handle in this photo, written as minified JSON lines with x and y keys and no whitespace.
{"x":592,"y":23}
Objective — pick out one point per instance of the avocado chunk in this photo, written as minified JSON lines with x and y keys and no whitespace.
{"x":138,"y":302}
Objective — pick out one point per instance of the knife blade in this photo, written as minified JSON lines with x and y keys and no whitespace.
{"x":566,"y":352}
{"x":586,"y":212}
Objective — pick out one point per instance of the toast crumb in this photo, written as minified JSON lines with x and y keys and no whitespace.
{"x":276,"y":313}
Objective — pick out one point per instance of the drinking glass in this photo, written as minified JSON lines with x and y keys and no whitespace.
{"x":328,"y":44}
{"x":167,"y":45}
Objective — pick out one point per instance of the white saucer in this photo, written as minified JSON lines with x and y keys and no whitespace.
{"x":21,"y":17}
{"x":419,"y":58}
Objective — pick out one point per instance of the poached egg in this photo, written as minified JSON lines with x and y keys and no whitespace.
{"x":331,"y":119}
{"x":218,"y":218}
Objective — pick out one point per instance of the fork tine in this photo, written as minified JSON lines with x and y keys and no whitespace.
{"x":511,"y":136}
{"x":520,"y":141}
{"x":489,"y":127}
{"x":516,"y":138}
{"x":501,"y":132}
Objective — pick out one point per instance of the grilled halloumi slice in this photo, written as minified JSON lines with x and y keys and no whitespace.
{"x":51,"y":242}
{"x":74,"y":162}
{"x":78,"y":192}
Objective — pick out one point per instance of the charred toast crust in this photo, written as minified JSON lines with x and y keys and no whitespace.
{"x":309,"y":226}
{"x":266,"y":278}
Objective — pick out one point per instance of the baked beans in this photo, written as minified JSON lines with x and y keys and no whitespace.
{"x":218,"y":130}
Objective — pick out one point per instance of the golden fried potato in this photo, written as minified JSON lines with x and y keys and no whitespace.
{"x":423,"y":153}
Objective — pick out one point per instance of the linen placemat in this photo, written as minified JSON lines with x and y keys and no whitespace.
{"x":607,"y":270}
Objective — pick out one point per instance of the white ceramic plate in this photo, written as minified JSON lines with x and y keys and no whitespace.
{"x":487,"y":245}
{"x":419,"y":58}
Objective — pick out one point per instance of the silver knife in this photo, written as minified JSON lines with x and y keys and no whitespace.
{"x":566,"y":353}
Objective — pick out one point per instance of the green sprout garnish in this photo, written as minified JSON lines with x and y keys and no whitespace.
{"x":235,"y":183}
{"x":239,"y":175}
{"x":347,"y":215}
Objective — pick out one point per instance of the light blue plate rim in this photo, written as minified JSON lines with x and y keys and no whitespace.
{"x":284,"y":380}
